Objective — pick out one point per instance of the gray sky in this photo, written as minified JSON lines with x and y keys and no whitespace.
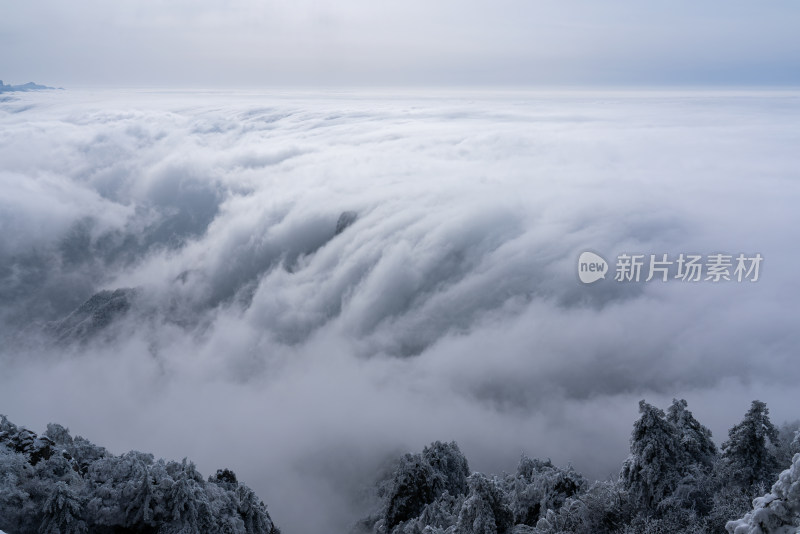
{"x":240,"y":43}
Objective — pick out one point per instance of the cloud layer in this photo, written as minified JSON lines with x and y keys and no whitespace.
{"x":259,"y":337}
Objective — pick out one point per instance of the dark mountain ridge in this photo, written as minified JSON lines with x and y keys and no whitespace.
{"x":30,"y":86}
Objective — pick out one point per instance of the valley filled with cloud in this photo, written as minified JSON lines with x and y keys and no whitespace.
{"x":302,"y":285}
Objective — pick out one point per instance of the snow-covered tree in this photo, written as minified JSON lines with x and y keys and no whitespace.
{"x":17,"y":509}
{"x":748,"y":454}
{"x":413,"y":486}
{"x":54,"y":483}
{"x":653,"y":469}
{"x":116,"y":483}
{"x":85,"y":453}
{"x":484,"y":511}
{"x":440,"y":515}
{"x":253,"y":512}
{"x":597,"y":510}
{"x":417,"y":483}
{"x":141,"y":500}
{"x":447,"y":460}
{"x":777,"y":512}
{"x":539,"y":486}
{"x":695,"y":439}
{"x":224,"y":477}
{"x":187,"y":505}
{"x":671,"y":463}
{"x":62,"y":512}
{"x":728,"y":501}
{"x":788,"y":442}
{"x":58,"y":434}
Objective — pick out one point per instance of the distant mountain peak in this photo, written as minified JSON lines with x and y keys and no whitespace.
{"x":30,"y":86}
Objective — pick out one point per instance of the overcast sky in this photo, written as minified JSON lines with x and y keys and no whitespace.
{"x":242,"y":43}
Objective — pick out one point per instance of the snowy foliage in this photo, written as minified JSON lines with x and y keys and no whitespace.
{"x":749,"y":456}
{"x":450,"y":465}
{"x":57,"y":484}
{"x":600,"y":509}
{"x":414,"y":486}
{"x":652,"y":471}
{"x":485,"y":510}
{"x":671,"y":463}
{"x":777,"y":512}
{"x":426,"y":484}
{"x":788,"y":443}
{"x":695,"y":439}
{"x":673,"y":482}
{"x":62,"y":512}
{"x":540,"y":486}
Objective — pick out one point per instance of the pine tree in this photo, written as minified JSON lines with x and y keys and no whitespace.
{"x":58,"y":434}
{"x":413,"y":486}
{"x":17,"y":509}
{"x":253,"y":512}
{"x":699,"y":454}
{"x":140,"y":505}
{"x":62,"y":512}
{"x":748,"y":457}
{"x":539,"y":486}
{"x":447,"y":460}
{"x":695,"y":438}
{"x":653,"y":469}
{"x":484,"y":511}
{"x":185,"y":498}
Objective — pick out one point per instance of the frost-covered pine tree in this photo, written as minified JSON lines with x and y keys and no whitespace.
{"x":777,"y":512}
{"x":748,"y":454}
{"x":85,"y":453}
{"x":539,"y":486}
{"x":695,"y":489}
{"x":253,"y":512}
{"x":417,"y":485}
{"x":695,"y":439}
{"x":186,"y":501}
{"x":653,"y":469}
{"x":62,"y":512}
{"x":439,"y":516}
{"x":116,"y":481}
{"x":17,"y":509}
{"x":484,"y":510}
{"x":141,"y":502}
{"x":59,"y":435}
{"x":413,"y":486}
{"x":597,"y":510}
{"x":447,"y":460}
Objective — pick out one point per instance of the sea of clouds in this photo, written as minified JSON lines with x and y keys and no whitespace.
{"x":259,"y":335}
